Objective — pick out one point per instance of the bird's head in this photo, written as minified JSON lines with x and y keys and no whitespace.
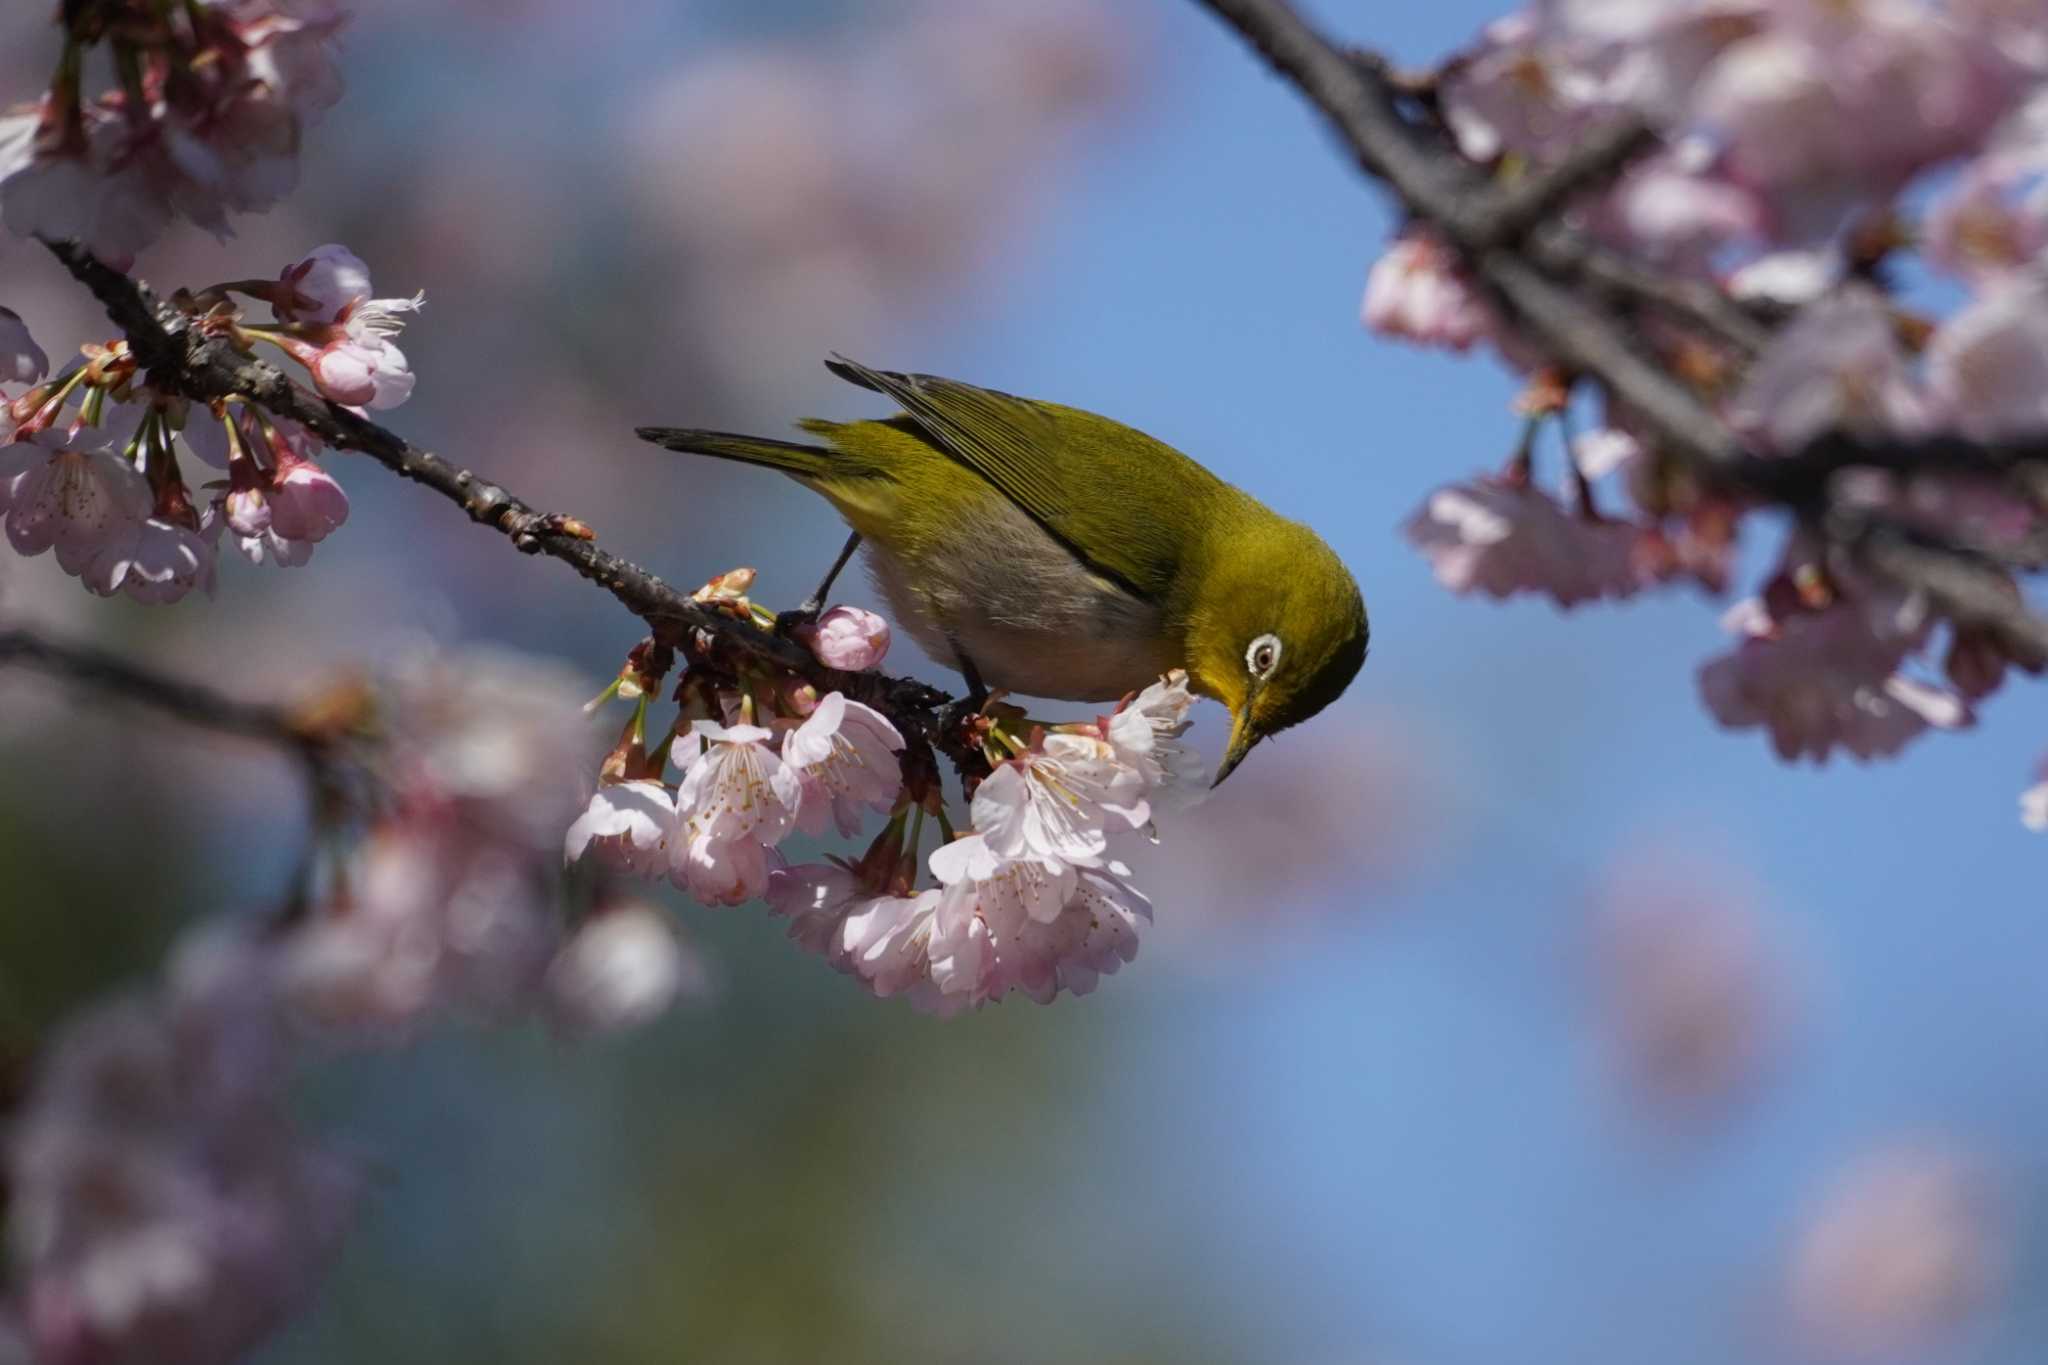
{"x":1277,"y":633}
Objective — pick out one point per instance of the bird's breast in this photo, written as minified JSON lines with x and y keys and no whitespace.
{"x":1019,"y":606}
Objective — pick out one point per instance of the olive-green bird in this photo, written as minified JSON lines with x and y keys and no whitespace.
{"x":1059,"y":554}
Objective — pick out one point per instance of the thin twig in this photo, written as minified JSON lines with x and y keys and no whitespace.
{"x":191,"y":702}
{"x":179,"y":359}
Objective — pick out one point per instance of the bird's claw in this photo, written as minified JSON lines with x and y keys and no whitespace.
{"x":788,"y":623}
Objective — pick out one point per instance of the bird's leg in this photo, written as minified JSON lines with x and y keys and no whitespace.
{"x":815,"y":603}
{"x":968,"y":707}
{"x":977,"y":691}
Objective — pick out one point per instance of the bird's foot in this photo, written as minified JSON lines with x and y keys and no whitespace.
{"x":788,"y":623}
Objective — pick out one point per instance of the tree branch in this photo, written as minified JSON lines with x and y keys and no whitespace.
{"x":179,"y":359}
{"x":1510,"y":240}
{"x":190,"y":702}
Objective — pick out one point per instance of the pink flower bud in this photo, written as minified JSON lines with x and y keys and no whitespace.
{"x":305,"y":501}
{"x":341,"y":374}
{"x":851,"y":638}
{"x":326,"y":283}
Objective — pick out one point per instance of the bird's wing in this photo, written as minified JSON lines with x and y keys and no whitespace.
{"x":1072,"y":472}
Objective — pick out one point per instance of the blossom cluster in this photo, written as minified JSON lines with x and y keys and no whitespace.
{"x":90,"y":457}
{"x":1805,"y":146}
{"x":206,"y":119}
{"x":1030,"y":898}
{"x":162,"y":1205}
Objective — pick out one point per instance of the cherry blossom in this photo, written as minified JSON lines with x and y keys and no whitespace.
{"x":852,"y":638}
{"x":1898,"y":1251}
{"x":67,"y":487}
{"x":161,"y":1205}
{"x":1824,"y":678}
{"x":1004,"y":925}
{"x":844,"y":755}
{"x":1417,"y":292}
{"x":619,"y":971}
{"x":1060,"y":801}
{"x":224,"y":99}
{"x":629,"y":824}
{"x":1988,"y":365}
{"x":157,"y":560}
{"x":736,"y":802}
{"x":1499,"y":536}
{"x":330,"y":323}
{"x":306,"y":502}
{"x":1837,"y":367}
{"x":1145,"y":733}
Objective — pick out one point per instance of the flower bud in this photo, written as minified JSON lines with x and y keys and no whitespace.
{"x":850,"y":638}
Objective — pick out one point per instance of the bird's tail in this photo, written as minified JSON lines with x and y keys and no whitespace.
{"x":791,"y":457}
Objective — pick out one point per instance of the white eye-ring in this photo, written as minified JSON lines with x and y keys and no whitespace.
{"x":1262,"y":656}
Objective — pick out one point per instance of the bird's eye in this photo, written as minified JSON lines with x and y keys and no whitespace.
{"x":1263,"y":656}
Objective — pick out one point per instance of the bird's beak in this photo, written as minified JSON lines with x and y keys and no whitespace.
{"x":1243,"y":735}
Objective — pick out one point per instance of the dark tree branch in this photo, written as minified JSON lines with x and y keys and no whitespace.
{"x":190,"y":702}
{"x":179,"y":359}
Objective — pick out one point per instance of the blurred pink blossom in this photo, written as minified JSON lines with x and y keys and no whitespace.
{"x":1499,"y":536}
{"x":1828,"y":677}
{"x":1837,"y":367}
{"x":1418,"y":291}
{"x":620,"y":970}
{"x":1900,"y":1250}
{"x":1695,"y":1004}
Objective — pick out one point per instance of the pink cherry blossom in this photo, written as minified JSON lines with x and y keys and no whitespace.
{"x":1981,"y":232}
{"x":1145,"y":733}
{"x":1835,"y":106}
{"x":1899,"y":1250}
{"x":628,"y":824}
{"x":306,"y":502}
{"x":1837,"y":366}
{"x":1500,"y":537}
{"x":363,"y":370}
{"x":1416,"y":291}
{"x":851,"y":638}
{"x":66,"y":487}
{"x":1828,"y":678}
{"x":737,"y":800}
{"x":620,"y":970}
{"x":1677,"y":209}
{"x":1003,"y":925}
{"x":266,"y":548}
{"x":158,"y":561}
{"x":341,"y":334}
{"x":1522,"y":91}
{"x":886,"y":941}
{"x":323,"y":286}
{"x":161,"y":1204}
{"x":1060,"y":801}
{"x":844,"y":754}
{"x":816,"y":899}
{"x":1988,"y":365}
{"x":223,"y":105}
{"x":1695,"y":1004}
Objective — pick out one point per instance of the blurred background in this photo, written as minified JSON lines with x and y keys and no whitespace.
{"x":1512,"y":1014}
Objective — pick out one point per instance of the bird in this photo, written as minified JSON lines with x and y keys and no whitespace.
{"x":1052,"y":552}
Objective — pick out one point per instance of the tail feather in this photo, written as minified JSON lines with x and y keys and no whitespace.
{"x":791,"y":457}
